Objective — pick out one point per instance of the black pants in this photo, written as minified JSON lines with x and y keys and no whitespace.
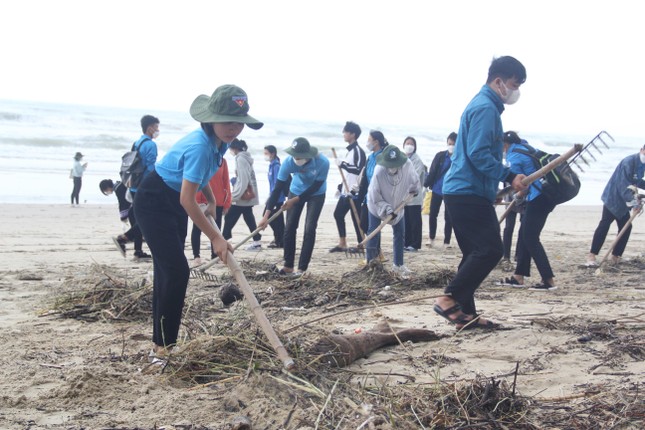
{"x":435,"y":205}
{"x":164,"y":223}
{"x":314,"y":207}
{"x":600,"y":234}
{"x":509,"y":227}
{"x":342,"y":207}
{"x":477,"y":232}
{"x":365,"y":219}
{"x":528,"y":239}
{"x":230,"y":219}
{"x":134,"y":233}
{"x":196,"y":233}
{"x":413,"y":226}
{"x":277,"y":225}
{"x":76,"y":191}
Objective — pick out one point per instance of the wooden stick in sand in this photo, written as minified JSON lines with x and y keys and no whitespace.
{"x":259,"y":314}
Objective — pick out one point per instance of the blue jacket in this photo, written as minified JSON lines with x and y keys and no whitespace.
{"x":148,"y":152}
{"x":477,"y":167}
{"x":628,"y":172}
{"x":522,"y":163}
{"x":274,"y":169}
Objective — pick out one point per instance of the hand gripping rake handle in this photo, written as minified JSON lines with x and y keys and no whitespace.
{"x":635,"y":212}
{"x":544,"y":170}
{"x":211,"y":263}
{"x":387,"y":220}
{"x":357,"y":217}
{"x":259,"y":314}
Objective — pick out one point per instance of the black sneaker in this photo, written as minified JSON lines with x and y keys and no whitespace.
{"x":140,"y":255}
{"x":544,"y":286}
{"x":120,"y":244}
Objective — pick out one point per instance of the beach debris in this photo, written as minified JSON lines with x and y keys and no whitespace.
{"x":230,"y":293}
{"x":30,"y":276}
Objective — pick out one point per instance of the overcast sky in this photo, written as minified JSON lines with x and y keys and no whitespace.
{"x":390,"y":62}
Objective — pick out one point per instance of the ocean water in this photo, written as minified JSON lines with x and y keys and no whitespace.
{"x":38,"y":141}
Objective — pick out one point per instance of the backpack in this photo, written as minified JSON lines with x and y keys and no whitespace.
{"x":132,"y":167}
{"x":560,"y":184}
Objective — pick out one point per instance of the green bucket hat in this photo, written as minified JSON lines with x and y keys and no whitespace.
{"x":229,"y":103}
{"x":300,"y":148}
{"x":391,"y":157}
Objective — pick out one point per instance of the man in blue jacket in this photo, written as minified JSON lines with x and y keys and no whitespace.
{"x":470,"y":188}
{"x":617,"y":200}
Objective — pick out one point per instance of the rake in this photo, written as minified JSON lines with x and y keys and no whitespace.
{"x":593,"y":143}
{"x":199,"y":272}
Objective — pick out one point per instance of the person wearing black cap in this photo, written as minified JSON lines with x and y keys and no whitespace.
{"x":76,"y":174}
{"x":167,"y":197}
{"x":304,"y":175}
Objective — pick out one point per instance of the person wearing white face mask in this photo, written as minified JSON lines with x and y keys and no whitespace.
{"x":470,"y":189}
{"x":434,"y":182}
{"x":412,"y":212}
{"x":304,"y":176}
{"x":617,"y":202}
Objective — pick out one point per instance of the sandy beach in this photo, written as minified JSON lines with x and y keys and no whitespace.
{"x":567,"y":352}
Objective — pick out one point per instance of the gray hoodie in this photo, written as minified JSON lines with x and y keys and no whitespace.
{"x":386,"y":192}
{"x":245,"y":176}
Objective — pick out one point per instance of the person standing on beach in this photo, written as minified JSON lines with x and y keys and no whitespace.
{"x":307,"y":171}
{"x":352,"y":164}
{"x":76,"y":174}
{"x":617,"y":201}
{"x":148,"y":152}
{"x":168,"y":196}
{"x":434,"y":182}
{"x":394,"y":179}
{"x":413,"y":220}
{"x":375,"y":143}
{"x":221,"y":188}
{"x":277,"y":225}
{"x":470,"y":188}
{"x":244,"y":194}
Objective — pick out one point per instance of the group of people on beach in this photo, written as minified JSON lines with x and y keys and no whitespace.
{"x":382,"y":187}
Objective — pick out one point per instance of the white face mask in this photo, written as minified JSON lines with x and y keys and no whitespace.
{"x":370,"y":146}
{"x":511,"y":96}
{"x":267,"y":158}
{"x":300,"y":162}
{"x":155,"y":135}
{"x":642,"y":157}
{"x":392,"y":170}
{"x":409,"y":149}
{"x":451,"y":149}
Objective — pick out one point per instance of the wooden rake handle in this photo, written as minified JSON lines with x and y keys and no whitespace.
{"x":259,"y":314}
{"x":386,"y":220}
{"x":621,"y":233}
{"x":355,"y":213}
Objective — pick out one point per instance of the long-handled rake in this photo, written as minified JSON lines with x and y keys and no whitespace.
{"x":200,"y":272}
{"x":259,"y":314}
{"x":357,"y":218}
{"x":586,"y":150}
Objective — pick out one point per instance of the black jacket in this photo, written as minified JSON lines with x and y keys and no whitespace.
{"x":435,"y":174}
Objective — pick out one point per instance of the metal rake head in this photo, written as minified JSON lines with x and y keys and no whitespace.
{"x":594,"y":143}
{"x":198,"y":274}
{"x":355,"y":252}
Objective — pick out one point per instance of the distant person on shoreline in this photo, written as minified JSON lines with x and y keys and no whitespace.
{"x":413,"y":219}
{"x":304,"y":175}
{"x":168,"y":196}
{"x":244,"y":195}
{"x":352,"y":164}
{"x":76,"y":174}
{"x":434,"y":182}
{"x":221,"y":188}
{"x":277,"y":225}
{"x":470,"y":188}
{"x":148,"y":151}
{"x":617,"y":201}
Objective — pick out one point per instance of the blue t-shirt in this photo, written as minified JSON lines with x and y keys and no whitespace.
{"x":194,"y":158}
{"x":304,"y":176}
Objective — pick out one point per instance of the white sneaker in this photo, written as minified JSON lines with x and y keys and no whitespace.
{"x":255,"y":246}
{"x":401,"y":271}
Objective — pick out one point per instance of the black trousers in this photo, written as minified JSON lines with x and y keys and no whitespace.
{"x":314,"y":208}
{"x":477,"y":232}
{"x":600,"y":234}
{"x":277,"y":225}
{"x":342,"y":207}
{"x":234,"y":213}
{"x":196,"y":233}
{"x":509,"y":227}
{"x":134,"y":233}
{"x":164,"y":223}
{"x":435,"y":205}
{"x":528,"y":239}
{"x":76,"y":191}
{"x":413,"y":226}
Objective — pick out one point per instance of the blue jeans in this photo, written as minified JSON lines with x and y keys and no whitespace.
{"x":374,"y":244}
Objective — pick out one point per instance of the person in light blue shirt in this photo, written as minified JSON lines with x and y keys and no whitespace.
{"x":376,"y":142}
{"x":167,"y":197}
{"x":304,"y":174}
